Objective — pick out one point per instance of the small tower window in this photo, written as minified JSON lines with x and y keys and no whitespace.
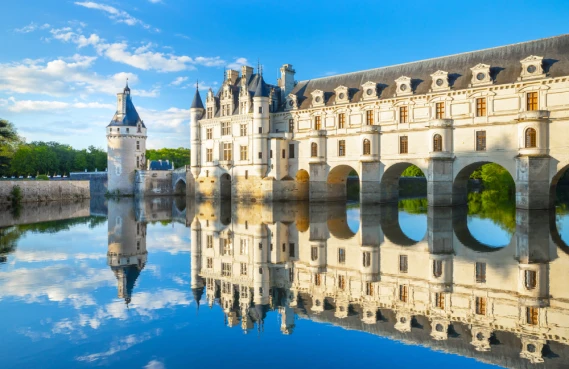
{"x":403,"y":264}
{"x":317,"y":122}
{"x":137,"y":144}
{"x":314,"y":149}
{"x":480,"y":272}
{"x":403,"y":114}
{"x":260,"y":110}
{"x":480,"y":140}
{"x":139,"y":129}
{"x":367,"y":147}
{"x":481,"y":305}
{"x":342,"y":148}
{"x":314,"y":253}
{"x":369,"y":117}
{"x":530,"y":279}
{"x":437,"y":268}
{"x":341,"y":120}
{"x":366,"y":259}
{"x":532,"y":314}
{"x":341,"y":255}
{"x":531,"y":138}
{"x":127,"y":130}
{"x":403,"y":145}
{"x":437,"y":143}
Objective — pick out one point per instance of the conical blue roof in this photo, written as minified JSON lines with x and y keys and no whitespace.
{"x":262,"y":89}
{"x":131,"y":117}
{"x":197,"y":103}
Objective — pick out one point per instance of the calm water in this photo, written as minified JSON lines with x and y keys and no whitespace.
{"x":165,"y":284}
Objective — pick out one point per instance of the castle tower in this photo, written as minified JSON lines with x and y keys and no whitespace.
{"x":126,"y":146}
{"x":126,"y":254}
{"x":196,"y":113}
{"x":260,"y":127}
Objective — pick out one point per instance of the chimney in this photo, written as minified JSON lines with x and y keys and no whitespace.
{"x":232,"y":76}
{"x":246,"y":72}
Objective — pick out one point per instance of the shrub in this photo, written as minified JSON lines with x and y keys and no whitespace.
{"x":42,"y":177}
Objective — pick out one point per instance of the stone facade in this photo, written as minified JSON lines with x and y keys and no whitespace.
{"x":306,"y":260}
{"x":45,"y":191}
{"x":45,"y":212}
{"x":449,"y":115}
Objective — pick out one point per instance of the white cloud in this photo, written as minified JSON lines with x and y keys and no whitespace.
{"x":121,"y":345}
{"x":155,"y":1}
{"x":66,"y":34}
{"x":62,"y":77}
{"x":154,"y":364}
{"x":19,"y":106}
{"x":143,"y":58}
{"x":238,"y":63}
{"x":31,"y":28}
{"x":178,"y":81}
{"x":115,"y":14}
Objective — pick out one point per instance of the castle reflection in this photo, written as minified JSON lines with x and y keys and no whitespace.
{"x":448,"y":290}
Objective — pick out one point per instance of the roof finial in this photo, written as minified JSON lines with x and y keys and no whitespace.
{"x":197,"y":84}
{"x":127,"y":82}
{"x":258,"y":66}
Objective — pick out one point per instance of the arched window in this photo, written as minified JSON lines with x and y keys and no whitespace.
{"x":314,"y":149}
{"x":367,"y":147}
{"x":314,"y":253}
{"x":531,"y":137}
{"x":437,"y":143}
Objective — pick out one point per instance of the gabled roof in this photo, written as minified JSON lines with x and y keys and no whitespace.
{"x":504,"y":61}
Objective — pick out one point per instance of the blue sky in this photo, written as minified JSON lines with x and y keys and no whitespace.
{"x":63,"y":61}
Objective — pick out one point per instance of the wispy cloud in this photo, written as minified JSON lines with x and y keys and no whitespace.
{"x":115,"y":14}
{"x":238,"y":63}
{"x":178,"y":81}
{"x":32,"y":27}
{"x":18,"y":106}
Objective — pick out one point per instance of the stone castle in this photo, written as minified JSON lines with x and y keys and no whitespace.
{"x":253,"y":141}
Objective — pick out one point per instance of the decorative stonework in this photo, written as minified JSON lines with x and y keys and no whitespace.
{"x":440,"y":81}
{"x":342,"y":95}
{"x":404,"y":87}
{"x":318,"y":98}
{"x":481,"y":75}
{"x":369,"y":91}
{"x":532,"y":67}
{"x":291,"y":102}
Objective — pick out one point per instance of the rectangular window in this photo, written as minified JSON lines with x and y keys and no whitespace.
{"x":243,"y":153}
{"x":209,"y":114}
{"x":437,"y":268}
{"x":226,"y":128}
{"x":226,"y":269}
{"x":260,"y":110}
{"x":341,"y":120}
{"x":369,"y":117}
{"x":283,"y":154}
{"x":440,"y":110}
{"x":291,"y":252}
{"x":480,"y":140}
{"x":532,"y":315}
{"x":291,"y":151}
{"x":317,"y":122}
{"x":227,"y":148}
{"x":243,"y":269}
{"x":403,"y":145}
{"x":209,"y":155}
{"x":481,"y":107}
{"x":403,"y":114}
{"x":227,"y":247}
{"x":481,"y":305}
{"x":341,"y":255}
{"x":366,"y":259}
{"x":209,"y":263}
{"x":403,"y":263}
{"x":480,"y":272}
{"x":403,"y":293}
{"x":209,"y":241}
{"x":440,"y":300}
{"x":530,"y":279}
{"x":260,"y":155}
{"x":209,"y":133}
{"x":270,"y":154}
{"x":243,"y":130}
{"x":531,"y":101}
{"x":317,"y":279}
{"x":138,"y":145}
{"x":342,"y":148}
{"x":369,"y":289}
{"x":244,"y":247}
{"x":291,"y":125}
{"x":341,"y":282}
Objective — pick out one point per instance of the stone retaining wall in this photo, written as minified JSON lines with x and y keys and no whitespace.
{"x":44,"y":191}
{"x":45,"y":212}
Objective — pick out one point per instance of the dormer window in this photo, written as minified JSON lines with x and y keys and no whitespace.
{"x":480,"y":75}
{"x":291,"y":102}
{"x":342,"y":95}
{"x":369,"y":91}
{"x":440,"y":81}
{"x":403,"y":86}
{"x":317,"y":98}
{"x":532,"y":67}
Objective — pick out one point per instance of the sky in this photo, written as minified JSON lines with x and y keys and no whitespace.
{"x":63,"y":61}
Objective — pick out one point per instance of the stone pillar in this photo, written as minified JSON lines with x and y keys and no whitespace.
{"x":439,"y":182}
{"x":369,"y":182}
{"x":533,"y":162}
{"x":318,"y":189}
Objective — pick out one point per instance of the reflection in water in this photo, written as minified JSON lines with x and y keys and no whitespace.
{"x":419,"y":275}
{"x":492,"y":304}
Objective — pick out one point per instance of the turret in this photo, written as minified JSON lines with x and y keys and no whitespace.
{"x":260,"y":127}
{"x":126,"y":146}
{"x":196,"y":113}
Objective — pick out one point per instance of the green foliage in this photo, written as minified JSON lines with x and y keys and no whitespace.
{"x":16,"y":196}
{"x":42,"y":177}
{"x":9,"y":142}
{"x":413,"y":171}
{"x":179,"y":156}
{"x":414,"y":206}
{"x":54,"y":158}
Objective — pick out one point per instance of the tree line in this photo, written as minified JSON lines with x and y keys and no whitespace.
{"x":18,"y":158}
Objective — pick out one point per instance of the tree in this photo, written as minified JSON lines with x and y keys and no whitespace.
{"x":413,"y":171}
{"x":179,"y":156}
{"x":9,"y":142}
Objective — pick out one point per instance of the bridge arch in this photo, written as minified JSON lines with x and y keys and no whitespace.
{"x":339,"y":183}
{"x":391,"y":227}
{"x":389,"y":182}
{"x":464,"y":171}
{"x":302,"y":184}
{"x":225,"y":186}
{"x":555,"y":181}
{"x":180,"y":187}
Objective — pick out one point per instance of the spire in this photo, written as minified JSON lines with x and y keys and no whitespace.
{"x":127,"y":89}
{"x":262,"y":89}
{"x":197,"y":103}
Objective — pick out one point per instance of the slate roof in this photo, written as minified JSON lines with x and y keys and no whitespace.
{"x":197,"y":103}
{"x":160,"y":165}
{"x":131,"y":118}
{"x":504,"y":61}
{"x":262,"y":89}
